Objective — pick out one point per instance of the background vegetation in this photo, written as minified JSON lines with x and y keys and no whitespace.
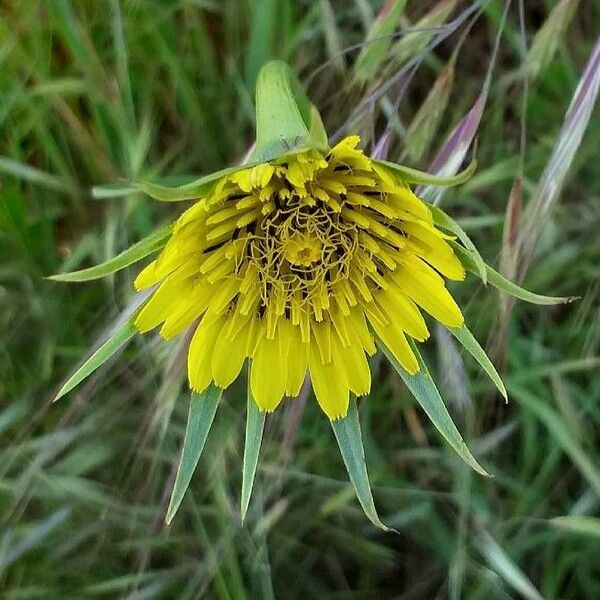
{"x":116,"y":90}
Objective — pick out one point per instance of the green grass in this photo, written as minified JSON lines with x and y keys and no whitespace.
{"x":111,"y":91}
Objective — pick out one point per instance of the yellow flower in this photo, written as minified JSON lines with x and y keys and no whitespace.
{"x":298,"y":264}
{"x":303,"y":261}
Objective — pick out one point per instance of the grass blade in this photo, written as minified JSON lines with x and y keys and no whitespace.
{"x":423,"y":388}
{"x":264,"y":22}
{"x":556,"y":426}
{"x":549,"y":37}
{"x":255,"y":423}
{"x":423,"y":31}
{"x":451,"y":155}
{"x":139,"y":250}
{"x":589,"y":526}
{"x":349,"y":439}
{"x":504,"y":284}
{"x":203,"y":408}
{"x":118,"y":339}
{"x":331,"y":34}
{"x":575,"y":125}
{"x":504,"y":566}
{"x":471,"y":345}
{"x":453,"y":375}
{"x":425,"y":123}
{"x":32,"y":175}
{"x":36,"y":536}
{"x":509,"y":255}
{"x":378,"y":40}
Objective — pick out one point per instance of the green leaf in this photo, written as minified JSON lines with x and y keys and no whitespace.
{"x":500,"y":282}
{"x":443,"y":220}
{"x":286,"y":121}
{"x":471,"y":345}
{"x":255,"y":422}
{"x":420,"y":177}
{"x":139,"y":250}
{"x":189,"y":191}
{"x":203,"y":408}
{"x":118,"y":339}
{"x":423,"y":388}
{"x":349,"y":439}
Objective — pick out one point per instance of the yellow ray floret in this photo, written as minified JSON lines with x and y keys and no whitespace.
{"x":297,"y":266}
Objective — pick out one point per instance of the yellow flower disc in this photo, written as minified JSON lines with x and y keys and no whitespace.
{"x":296,"y":264}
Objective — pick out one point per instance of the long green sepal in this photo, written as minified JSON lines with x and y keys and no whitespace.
{"x":255,"y":423}
{"x":420,"y":177}
{"x":423,"y":388}
{"x":189,"y":191}
{"x":503,"y":284}
{"x":286,"y":121}
{"x":109,"y":191}
{"x":203,"y":408}
{"x":471,"y":345}
{"x":117,"y":340}
{"x":443,"y":220}
{"x":349,"y":439}
{"x":155,"y":241}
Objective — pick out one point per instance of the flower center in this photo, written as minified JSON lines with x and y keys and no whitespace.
{"x":302,"y":250}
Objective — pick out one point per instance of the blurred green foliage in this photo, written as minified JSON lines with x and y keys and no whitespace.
{"x":119,"y":90}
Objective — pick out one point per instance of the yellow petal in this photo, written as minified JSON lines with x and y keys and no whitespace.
{"x":357,"y":324}
{"x":201,"y":350}
{"x":223,"y":293}
{"x":146,"y":277}
{"x":340,"y":324}
{"x":436,"y":251}
{"x":329,"y":384}
{"x":403,"y":199}
{"x":395,"y":340}
{"x":297,"y":353}
{"x":188,"y":310}
{"x":268,"y":374}
{"x":427,"y":289}
{"x":355,"y":366}
{"x":228,"y":357}
{"x":322,"y":335}
{"x":403,"y":312}
{"x":166,"y":299}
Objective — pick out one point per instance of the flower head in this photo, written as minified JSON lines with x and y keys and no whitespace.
{"x":305,"y":260}
{"x":298,"y":264}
